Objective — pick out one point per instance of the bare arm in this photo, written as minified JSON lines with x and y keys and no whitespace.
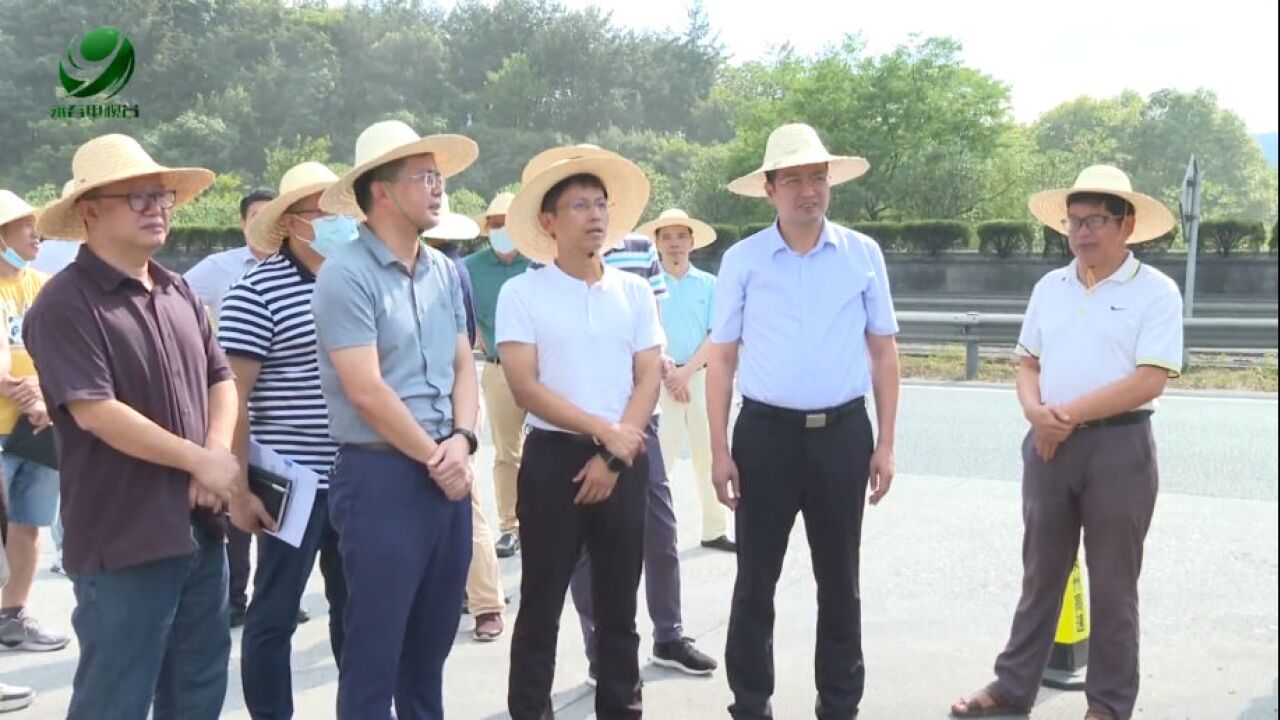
{"x":223,"y":411}
{"x":1028,"y":384}
{"x":246,"y":371}
{"x":721,"y":366}
{"x":886,"y":383}
{"x":647,"y":369}
{"x":466,"y":386}
{"x":132,"y":434}
{"x":1137,"y":389}
{"x":379,"y":405}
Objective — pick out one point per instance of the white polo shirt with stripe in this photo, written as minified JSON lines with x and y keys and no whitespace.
{"x":1087,"y":338}
{"x":586,"y":335}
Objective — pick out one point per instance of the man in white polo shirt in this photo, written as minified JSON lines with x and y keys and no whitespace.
{"x":1100,"y":339}
{"x":580,"y":344}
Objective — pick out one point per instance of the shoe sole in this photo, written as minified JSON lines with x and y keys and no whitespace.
{"x":26,"y":646}
{"x":485,"y":637}
{"x":12,"y":705}
{"x":682,"y":668}
{"x":590,"y":682}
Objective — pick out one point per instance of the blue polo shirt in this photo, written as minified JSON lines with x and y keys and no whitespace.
{"x":686,"y":313}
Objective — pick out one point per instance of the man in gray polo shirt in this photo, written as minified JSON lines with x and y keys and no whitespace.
{"x":401,"y":388}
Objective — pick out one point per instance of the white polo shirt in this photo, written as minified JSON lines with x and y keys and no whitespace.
{"x":586,"y":335}
{"x":1087,"y":339}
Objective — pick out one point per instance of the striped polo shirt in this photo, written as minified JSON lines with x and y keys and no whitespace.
{"x":266,"y":316}
{"x":638,"y":256}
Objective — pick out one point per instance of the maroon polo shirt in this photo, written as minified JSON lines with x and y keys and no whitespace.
{"x":97,"y":334}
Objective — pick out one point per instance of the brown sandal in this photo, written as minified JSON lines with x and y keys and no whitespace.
{"x":985,"y":704}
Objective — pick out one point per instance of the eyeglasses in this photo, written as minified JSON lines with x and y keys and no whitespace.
{"x":1092,"y":222}
{"x":140,"y":201}
{"x":582,"y":207}
{"x":431,"y":178}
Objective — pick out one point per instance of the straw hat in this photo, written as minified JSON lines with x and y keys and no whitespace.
{"x":547,"y":158}
{"x":703,"y":234}
{"x":13,"y":207}
{"x":625,"y":183}
{"x":452,"y":225}
{"x":109,"y":159}
{"x":1152,"y":219}
{"x":500,"y":204}
{"x":392,"y":140}
{"x":792,"y":146}
{"x":267,"y":229}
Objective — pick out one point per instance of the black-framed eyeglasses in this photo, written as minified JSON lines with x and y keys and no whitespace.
{"x":431,"y":179}
{"x":1092,"y":222}
{"x":140,"y":201}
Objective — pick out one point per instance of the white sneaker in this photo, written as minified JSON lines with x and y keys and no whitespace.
{"x":13,"y":697}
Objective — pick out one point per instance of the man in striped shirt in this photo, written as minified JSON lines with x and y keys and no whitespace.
{"x":268,"y":332}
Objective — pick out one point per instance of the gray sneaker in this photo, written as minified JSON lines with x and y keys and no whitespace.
{"x":23,"y":632}
{"x":13,"y":697}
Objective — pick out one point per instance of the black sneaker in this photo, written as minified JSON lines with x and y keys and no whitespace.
{"x":721,"y":543}
{"x":237,"y":616}
{"x":507,"y":545}
{"x":303,"y":616}
{"x":683,"y":656}
{"x":592,"y":678}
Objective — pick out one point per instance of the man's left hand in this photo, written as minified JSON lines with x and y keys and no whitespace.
{"x":449,"y":464}
{"x":880,"y":479}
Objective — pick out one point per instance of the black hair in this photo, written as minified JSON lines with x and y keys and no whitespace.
{"x":586,"y":180}
{"x":255,"y":196}
{"x":1114,"y":204}
{"x":363,"y":184}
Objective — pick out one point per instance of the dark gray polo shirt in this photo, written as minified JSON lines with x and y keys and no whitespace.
{"x":364,"y":296}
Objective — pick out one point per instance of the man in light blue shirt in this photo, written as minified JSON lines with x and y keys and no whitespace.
{"x":803,"y":313}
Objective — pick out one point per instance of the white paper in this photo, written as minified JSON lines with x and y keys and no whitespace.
{"x":303,"y":484}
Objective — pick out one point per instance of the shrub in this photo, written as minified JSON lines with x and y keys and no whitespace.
{"x":887,"y":234}
{"x":1228,"y":237}
{"x":934,"y":237}
{"x":1054,"y":243}
{"x":204,"y":239}
{"x":1005,"y":238}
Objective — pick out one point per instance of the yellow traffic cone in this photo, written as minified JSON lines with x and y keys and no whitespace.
{"x":1066,"y":670}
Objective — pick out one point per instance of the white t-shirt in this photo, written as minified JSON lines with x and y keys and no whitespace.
{"x":586,"y":335}
{"x":1087,"y":339}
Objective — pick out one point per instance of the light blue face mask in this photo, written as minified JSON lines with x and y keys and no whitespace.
{"x":332,"y":233}
{"x":12,"y":257}
{"x":501,"y":242}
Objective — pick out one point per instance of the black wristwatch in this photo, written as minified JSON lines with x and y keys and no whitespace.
{"x":611,"y":461}
{"x":473,"y":443}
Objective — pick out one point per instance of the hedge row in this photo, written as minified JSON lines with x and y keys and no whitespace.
{"x":1000,"y":238}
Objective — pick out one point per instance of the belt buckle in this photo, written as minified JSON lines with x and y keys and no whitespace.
{"x":815,"y":421}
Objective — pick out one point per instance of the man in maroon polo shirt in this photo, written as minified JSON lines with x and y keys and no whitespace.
{"x":143,"y":406}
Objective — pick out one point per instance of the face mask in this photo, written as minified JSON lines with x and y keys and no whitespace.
{"x":12,"y":257}
{"x":332,"y":233}
{"x":501,"y":242}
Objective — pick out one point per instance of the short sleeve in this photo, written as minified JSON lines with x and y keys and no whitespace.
{"x":461,"y":301}
{"x":343,"y":309}
{"x":245,"y":324}
{"x":647,"y":333}
{"x":1030,"y":340}
{"x":710,"y":304}
{"x":219,"y":370}
{"x":730,"y":298}
{"x":65,"y":343}
{"x":657,"y":280}
{"x":1160,"y":337}
{"x":513,"y":320}
{"x":877,"y":301}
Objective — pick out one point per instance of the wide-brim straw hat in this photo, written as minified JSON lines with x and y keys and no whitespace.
{"x":1152,"y":219}
{"x":793,"y":146}
{"x":499,"y":205}
{"x":703,"y":234}
{"x":110,"y":159}
{"x":13,"y":207}
{"x":624,"y":182}
{"x":392,"y":140}
{"x":545,"y":159}
{"x":67,"y":187}
{"x":452,"y":226}
{"x":267,"y":230}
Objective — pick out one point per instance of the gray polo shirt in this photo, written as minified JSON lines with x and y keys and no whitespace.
{"x":364,"y":296}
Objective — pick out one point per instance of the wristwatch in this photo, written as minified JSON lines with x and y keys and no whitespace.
{"x":473,"y":443}
{"x":611,"y":461}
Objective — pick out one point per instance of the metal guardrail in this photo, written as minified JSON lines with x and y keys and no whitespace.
{"x":976,"y":329}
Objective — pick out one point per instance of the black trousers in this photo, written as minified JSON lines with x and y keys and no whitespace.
{"x":553,"y":532}
{"x":787,"y":469}
{"x":238,"y":566}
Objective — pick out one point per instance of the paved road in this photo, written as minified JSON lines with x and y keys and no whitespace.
{"x":940,"y":577}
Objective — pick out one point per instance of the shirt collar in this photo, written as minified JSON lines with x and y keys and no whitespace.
{"x":1127,"y":271}
{"x":302,"y":269}
{"x":109,"y":279}
{"x":606,"y":278}
{"x":778,"y":244}
{"x":376,"y":246}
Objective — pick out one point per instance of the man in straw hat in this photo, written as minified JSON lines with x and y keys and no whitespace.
{"x":489,"y":269}
{"x":483,"y":598}
{"x":1100,"y":339}
{"x":400,"y":384}
{"x":32,"y":488}
{"x":686,"y":319}
{"x":269,"y":334}
{"x":580,"y":344}
{"x":144,"y":407}
{"x":634,"y":253}
{"x":804,"y":316}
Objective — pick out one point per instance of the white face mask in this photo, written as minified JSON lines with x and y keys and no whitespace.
{"x":501,"y":242}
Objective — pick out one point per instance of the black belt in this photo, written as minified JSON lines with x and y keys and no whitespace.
{"x":562,"y":436}
{"x":1129,"y":418}
{"x":814,"y":420}
{"x":377,"y":446}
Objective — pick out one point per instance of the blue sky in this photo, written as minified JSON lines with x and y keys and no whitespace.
{"x":1047,"y":56}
